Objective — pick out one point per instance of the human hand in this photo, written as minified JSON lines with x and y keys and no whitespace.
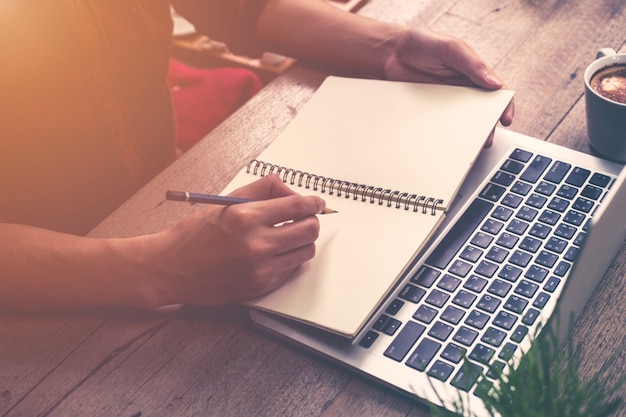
{"x":221,"y":255}
{"x":421,"y":55}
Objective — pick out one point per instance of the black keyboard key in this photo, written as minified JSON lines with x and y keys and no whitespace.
{"x":391,"y":326}
{"x":380,"y":323}
{"x":512,"y":200}
{"x":510,"y":273}
{"x":578,"y":176}
{"x":465,"y":336}
{"x":517,"y":226}
{"x":561,"y":269}
{"x":556,"y":245}
{"x":425,"y":276}
{"x":440,"y":331}
{"x":497,"y":254}
{"x":453,"y":353}
{"x":527,"y":214}
{"x":507,"y":240}
{"x":582,"y":204}
{"x":521,"y":155}
{"x":452,"y":314}
{"x":460,"y":268}
{"x":571,"y":253}
{"x":547,"y":259}
{"x":425,"y":314}
{"x":580,"y":239}
{"x":394,"y":307}
{"x":567,"y":191}
{"x":541,"y":300}
{"x":507,"y":351}
{"x":530,"y":244}
{"x":504,"y":320}
{"x":423,"y":354}
{"x":482,"y":354}
{"x":495,"y":369}
{"x":492,"y":192}
{"x":502,"y":213}
{"x":477,"y":319}
{"x":520,"y":258}
{"x":467,"y":376}
{"x":483,"y":388}
{"x":440,"y":370}
{"x":565,"y":231}
{"x":530,"y":317}
{"x":521,"y":188}
{"x":486,"y":269}
{"x":574,"y":217}
{"x":488,"y":303}
{"x":545,"y":188}
{"x":512,"y":166}
{"x":482,"y":240}
{"x":600,"y":180}
{"x":464,"y":299}
{"x":549,"y":217}
{"x":459,"y":233}
{"x":499,"y":288}
{"x":526,"y":288}
{"x":437,"y":298}
{"x":557,"y":172}
{"x":492,"y":226}
{"x":475,"y":283}
{"x":551,"y":284}
{"x":558,"y":204}
{"x":536,"y":273}
{"x":368,"y":340}
{"x":448,"y":283}
{"x":516,"y":304}
{"x":536,"y":168}
{"x":404,"y":341}
{"x":536,"y":201}
{"x":412,"y":293}
{"x":493,"y":336}
{"x":591,"y":192}
{"x":471,"y":254}
{"x":503,"y":178}
{"x":540,"y":230}
{"x":519,"y":333}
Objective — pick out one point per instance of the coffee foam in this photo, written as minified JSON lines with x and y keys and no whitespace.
{"x":610,"y":82}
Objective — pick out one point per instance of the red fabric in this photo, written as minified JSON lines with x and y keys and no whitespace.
{"x":203,"y":98}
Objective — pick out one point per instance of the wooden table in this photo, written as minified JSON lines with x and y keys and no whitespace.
{"x":210,"y":361}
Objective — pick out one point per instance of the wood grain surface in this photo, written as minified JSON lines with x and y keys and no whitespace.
{"x":210,"y":361}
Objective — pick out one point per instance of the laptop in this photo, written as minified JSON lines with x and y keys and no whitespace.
{"x":535,"y":227}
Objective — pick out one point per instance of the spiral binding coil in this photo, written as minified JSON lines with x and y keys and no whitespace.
{"x":346,"y":189}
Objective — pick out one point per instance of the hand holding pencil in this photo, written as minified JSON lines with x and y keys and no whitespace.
{"x":225,"y":255}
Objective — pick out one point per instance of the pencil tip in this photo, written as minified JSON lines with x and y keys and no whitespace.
{"x":329,"y":211}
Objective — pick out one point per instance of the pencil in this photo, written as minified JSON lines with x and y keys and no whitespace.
{"x":215,"y":199}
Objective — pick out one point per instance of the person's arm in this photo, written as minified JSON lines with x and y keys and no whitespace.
{"x":215,"y":256}
{"x":343,"y":42}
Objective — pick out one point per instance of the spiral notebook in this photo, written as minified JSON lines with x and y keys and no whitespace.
{"x":390,"y":158}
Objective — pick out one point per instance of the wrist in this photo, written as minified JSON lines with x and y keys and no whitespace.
{"x":144,"y":282}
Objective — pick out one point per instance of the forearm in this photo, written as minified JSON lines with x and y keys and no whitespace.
{"x":316,"y":32}
{"x":43,"y":270}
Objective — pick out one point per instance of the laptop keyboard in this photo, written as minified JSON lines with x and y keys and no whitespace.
{"x":480,"y":291}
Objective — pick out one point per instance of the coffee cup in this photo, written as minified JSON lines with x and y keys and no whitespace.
{"x":605,"y":104}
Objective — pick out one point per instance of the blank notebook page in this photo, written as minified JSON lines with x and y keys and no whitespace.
{"x":415,"y":139}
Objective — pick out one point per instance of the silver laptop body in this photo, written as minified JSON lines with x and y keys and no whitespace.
{"x":424,"y":324}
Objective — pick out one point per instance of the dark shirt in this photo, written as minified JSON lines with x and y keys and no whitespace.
{"x":85,"y":111}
